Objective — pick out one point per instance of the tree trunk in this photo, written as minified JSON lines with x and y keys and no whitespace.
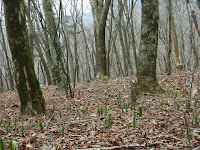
{"x":146,"y":72}
{"x":100,"y":11}
{"x":31,"y":98}
{"x":179,"y":64}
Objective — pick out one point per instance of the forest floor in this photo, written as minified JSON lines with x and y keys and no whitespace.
{"x":99,"y":116}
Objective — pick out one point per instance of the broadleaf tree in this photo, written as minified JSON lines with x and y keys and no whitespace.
{"x":30,"y":94}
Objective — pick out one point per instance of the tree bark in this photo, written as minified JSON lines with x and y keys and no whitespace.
{"x":146,"y":72}
{"x":31,"y":98}
{"x":100,"y":11}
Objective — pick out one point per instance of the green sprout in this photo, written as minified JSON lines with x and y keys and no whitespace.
{"x":22,"y":129}
{"x":134,"y":121}
{"x":11,"y":144}
{"x":106,"y":110}
{"x":188,"y":104}
{"x":128,"y":125}
{"x":56,"y":146}
{"x":1,"y":144}
{"x":140,"y":110}
{"x":109,"y":120}
{"x":196,"y":117}
{"x":41,"y":125}
{"x":79,"y":93}
{"x":177,"y":106}
{"x":161,"y":102}
{"x":63,"y":131}
{"x":84,"y":111}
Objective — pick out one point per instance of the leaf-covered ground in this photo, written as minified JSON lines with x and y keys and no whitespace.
{"x":99,"y":116}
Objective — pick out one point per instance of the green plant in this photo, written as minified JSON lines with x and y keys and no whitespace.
{"x":79,"y":93}
{"x":127,"y":107}
{"x":15,"y":123}
{"x":196,"y":117}
{"x":122,"y":109}
{"x":63,"y":131}
{"x":128,"y":125}
{"x":195,"y":103}
{"x":60,"y":114}
{"x":109,"y":120}
{"x":176,"y":94}
{"x":119,"y":99}
{"x":140,"y":110}
{"x":41,"y":125}
{"x":35,"y":140}
{"x":95,"y":127}
{"x":56,"y":146}
{"x":188,"y":104}
{"x":84,"y":111}
{"x":106,"y":99}
{"x":100,"y":111}
{"x":106,"y":110}
{"x":22,"y":129}
{"x":161,"y":102}
{"x":11,"y":144}
{"x":134,"y":121}
{"x":1,"y":144}
{"x":7,"y":129}
{"x":177,"y":106}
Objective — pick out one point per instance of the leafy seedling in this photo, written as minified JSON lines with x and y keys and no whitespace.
{"x":84,"y":111}
{"x":161,"y":102}
{"x":100,"y":111}
{"x":140,"y":110}
{"x":109,"y":120}
{"x":134,"y":121}
{"x":63,"y":131}
{"x":79,"y":93}
{"x":22,"y":129}
{"x":196,"y":117}
{"x":127,"y":107}
{"x":106,"y":110}
{"x":7,"y":129}
{"x":11,"y":144}
{"x":119,"y":99}
{"x":128,"y":125}
{"x":177,"y":106}
{"x":1,"y":144}
{"x":188,"y":104}
{"x":41,"y":125}
{"x":56,"y":146}
{"x":106,"y":99}
{"x":195,"y":103}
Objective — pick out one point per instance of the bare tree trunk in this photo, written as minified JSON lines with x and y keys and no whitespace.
{"x":11,"y":81}
{"x":175,"y":40}
{"x":31,"y":98}
{"x":146,"y":72}
{"x":100,"y":11}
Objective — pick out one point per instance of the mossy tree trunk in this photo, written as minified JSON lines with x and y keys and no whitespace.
{"x":31,"y":98}
{"x":100,"y":11}
{"x":146,"y":71}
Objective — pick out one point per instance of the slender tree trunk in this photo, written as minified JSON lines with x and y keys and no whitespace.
{"x":179,"y":64}
{"x":11,"y":81}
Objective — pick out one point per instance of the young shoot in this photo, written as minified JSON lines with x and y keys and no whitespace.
{"x":134,"y":121}
{"x":41,"y":125}
{"x":1,"y":144}
{"x":109,"y":120}
{"x":196,"y":117}
{"x":84,"y":111}
{"x":11,"y":144}
{"x":63,"y":131}
{"x":140,"y":110}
